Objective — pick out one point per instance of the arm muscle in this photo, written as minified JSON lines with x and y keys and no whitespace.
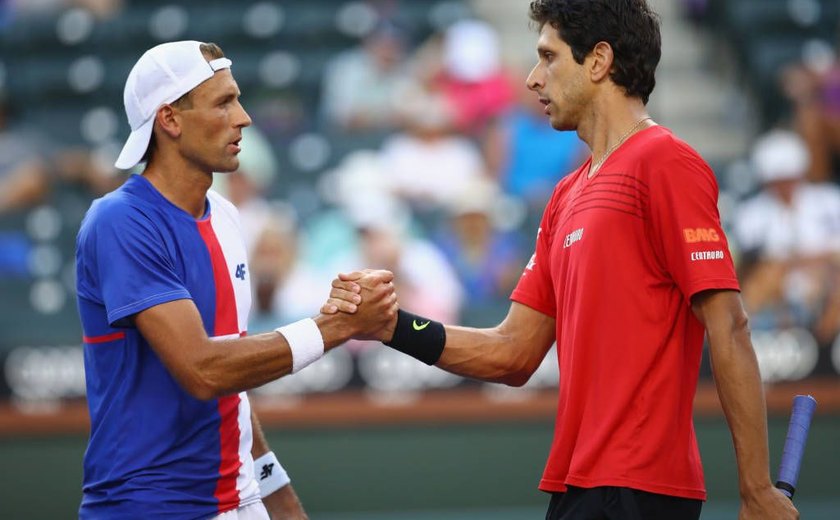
{"x":508,"y":353}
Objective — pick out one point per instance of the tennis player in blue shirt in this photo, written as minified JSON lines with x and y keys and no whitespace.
{"x":164,"y":295}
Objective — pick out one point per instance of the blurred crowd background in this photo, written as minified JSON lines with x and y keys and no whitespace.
{"x":399,"y":134}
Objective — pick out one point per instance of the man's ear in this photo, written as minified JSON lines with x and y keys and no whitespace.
{"x":168,"y":121}
{"x":601,"y":62}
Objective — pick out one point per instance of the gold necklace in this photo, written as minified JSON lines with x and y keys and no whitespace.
{"x":594,"y":169}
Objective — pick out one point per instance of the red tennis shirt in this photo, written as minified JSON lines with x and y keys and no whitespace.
{"x":617,"y":260}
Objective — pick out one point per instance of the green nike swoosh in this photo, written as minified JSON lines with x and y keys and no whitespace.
{"x":419,"y":327}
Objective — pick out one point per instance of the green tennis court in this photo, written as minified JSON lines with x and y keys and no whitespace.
{"x":441,"y":472}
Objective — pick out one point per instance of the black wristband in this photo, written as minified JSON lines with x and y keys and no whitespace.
{"x":784,"y":486}
{"x":419,"y":337}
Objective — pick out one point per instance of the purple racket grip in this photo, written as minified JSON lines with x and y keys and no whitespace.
{"x":797,"y":435}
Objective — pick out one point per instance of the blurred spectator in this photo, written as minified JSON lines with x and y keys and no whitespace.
{"x":248,"y":186}
{"x":24,"y":182}
{"x":468,"y":74}
{"x":376,"y":229}
{"x":527,"y":155}
{"x":6,"y":14}
{"x":789,"y":236}
{"x":424,"y":278}
{"x":30,"y":164}
{"x":32,"y":171}
{"x":428,"y":164}
{"x":100,"y":8}
{"x":814,"y":88}
{"x":362,"y":86}
{"x":24,"y":172}
{"x":282,"y":281}
{"x":487,"y":261}
{"x":696,"y":10}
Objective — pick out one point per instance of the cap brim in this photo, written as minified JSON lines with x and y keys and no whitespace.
{"x":135,"y":146}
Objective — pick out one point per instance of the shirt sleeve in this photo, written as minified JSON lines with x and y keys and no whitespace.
{"x":687,"y":233}
{"x":133,"y":268}
{"x":535,"y":288}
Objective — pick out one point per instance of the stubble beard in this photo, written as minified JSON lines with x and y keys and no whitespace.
{"x":561,"y":124}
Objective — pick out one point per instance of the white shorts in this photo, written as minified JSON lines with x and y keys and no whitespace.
{"x":255,"y":511}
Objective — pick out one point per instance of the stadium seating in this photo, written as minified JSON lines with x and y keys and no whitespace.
{"x":63,"y":66}
{"x":766,"y":35}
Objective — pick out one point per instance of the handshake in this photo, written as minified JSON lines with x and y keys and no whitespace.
{"x":361,"y":305}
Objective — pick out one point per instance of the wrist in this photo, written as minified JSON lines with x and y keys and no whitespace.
{"x":419,"y":337}
{"x":305,"y":342}
{"x":334,"y":329}
{"x":390,"y":330}
{"x":754,"y":487}
{"x":270,"y":474}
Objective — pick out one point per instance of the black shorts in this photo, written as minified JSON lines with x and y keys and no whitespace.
{"x":619,"y":503}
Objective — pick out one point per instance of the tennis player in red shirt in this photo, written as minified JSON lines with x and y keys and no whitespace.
{"x":631,"y":268}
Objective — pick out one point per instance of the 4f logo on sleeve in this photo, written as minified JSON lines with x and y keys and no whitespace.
{"x":267,"y":470}
{"x":240,"y":271}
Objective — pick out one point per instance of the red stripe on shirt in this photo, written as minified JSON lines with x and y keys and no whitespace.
{"x":226,"y":492}
{"x":104,"y":338}
{"x":226,"y":322}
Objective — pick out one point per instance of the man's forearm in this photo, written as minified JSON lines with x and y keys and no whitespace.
{"x":484,"y":354}
{"x":742,"y":398}
{"x":257,"y":360}
{"x":508,"y":353}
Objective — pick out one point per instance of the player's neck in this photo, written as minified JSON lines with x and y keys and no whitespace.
{"x":609,"y":123}
{"x":181,"y":185}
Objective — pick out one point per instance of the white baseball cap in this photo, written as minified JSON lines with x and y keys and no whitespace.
{"x":162,"y":75}
{"x":471,"y":50}
{"x":780,"y":155}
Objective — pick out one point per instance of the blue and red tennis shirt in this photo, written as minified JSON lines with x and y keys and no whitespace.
{"x":155,"y":451}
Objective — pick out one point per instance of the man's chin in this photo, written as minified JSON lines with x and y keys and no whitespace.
{"x":560,"y":125}
{"x":228,"y":167}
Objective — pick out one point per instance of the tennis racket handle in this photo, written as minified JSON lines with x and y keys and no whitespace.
{"x":797,"y":435}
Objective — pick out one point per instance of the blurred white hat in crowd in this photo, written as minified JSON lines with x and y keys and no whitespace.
{"x":361,"y":188}
{"x":359,"y":173}
{"x":425,"y":111}
{"x":471,"y":50}
{"x":163,"y":74}
{"x":780,"y":155}
{"x":480,"y":195}
{"x":379,"y":212}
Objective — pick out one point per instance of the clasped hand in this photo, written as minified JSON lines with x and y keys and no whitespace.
{"x":368,"y":300}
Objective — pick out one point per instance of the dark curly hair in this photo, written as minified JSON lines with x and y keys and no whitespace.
{"x":629,"y":26}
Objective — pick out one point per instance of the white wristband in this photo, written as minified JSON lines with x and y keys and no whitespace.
{"x":270,"y":474}
{"x":305,"y":340}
